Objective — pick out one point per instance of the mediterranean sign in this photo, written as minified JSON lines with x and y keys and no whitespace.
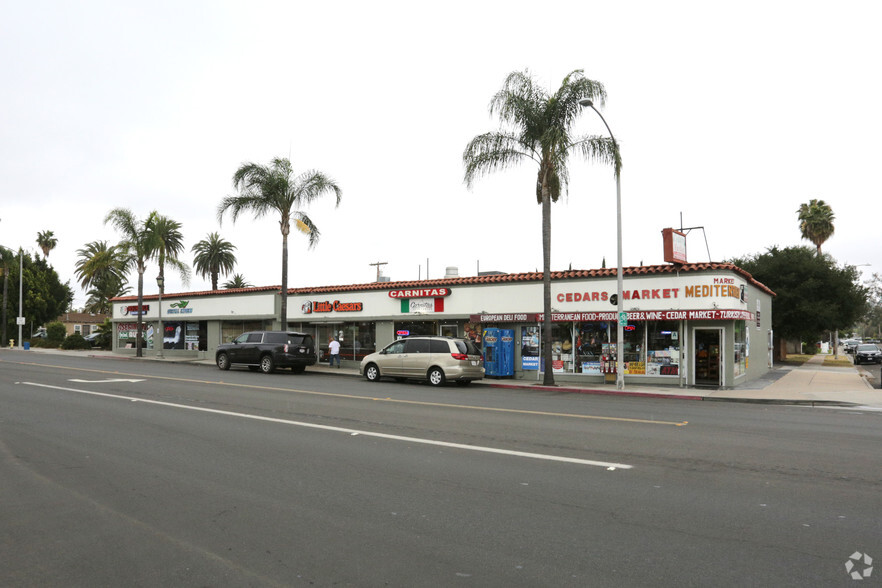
{"x":611,"y":316}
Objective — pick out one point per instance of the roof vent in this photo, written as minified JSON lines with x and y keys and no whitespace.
{"x":451,"y":272}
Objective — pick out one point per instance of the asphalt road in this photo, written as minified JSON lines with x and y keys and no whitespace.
{"x":116,"y":472}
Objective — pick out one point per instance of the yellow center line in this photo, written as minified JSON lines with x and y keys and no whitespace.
{"x":371,"y":398}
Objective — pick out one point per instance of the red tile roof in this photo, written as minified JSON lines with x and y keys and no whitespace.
{"x":644,"y":270}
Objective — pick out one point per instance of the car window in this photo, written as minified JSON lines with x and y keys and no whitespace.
{"x":241,"y":338}
{"x":466,"y":346}
{"x":254,"y":337}
{"x":439,"y":346}
{"x":397,"y":347}
{"x":867,"y":348}
{"x":278,"y":338}
{"x":417,"y":346}
{"x":296,"y":339}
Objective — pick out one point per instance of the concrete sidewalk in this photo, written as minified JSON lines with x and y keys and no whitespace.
{"x":809,"y":384}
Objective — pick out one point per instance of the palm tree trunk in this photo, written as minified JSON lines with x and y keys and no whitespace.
{"x":5,"y":282}
{"x":548,"y":374}
{"x":283,"y":314}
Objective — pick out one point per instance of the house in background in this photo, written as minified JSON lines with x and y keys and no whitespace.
{"x":82,"y":323}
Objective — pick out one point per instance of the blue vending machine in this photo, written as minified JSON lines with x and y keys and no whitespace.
{"x":498,"y":352}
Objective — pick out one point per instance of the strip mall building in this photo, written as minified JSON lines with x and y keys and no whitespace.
{"x":689,"y":324}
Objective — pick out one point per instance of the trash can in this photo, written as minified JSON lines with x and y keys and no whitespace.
{"x":27,"y":345}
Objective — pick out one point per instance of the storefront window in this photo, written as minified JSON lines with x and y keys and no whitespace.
{"x":408,"y":328}
{"x":740,"y":360}
{"x":590,"y":338}
{"x":357,"y":339}
{"x":633,"y":348}
{"x":232,"y":329}
{"x":662,"y":348}
{"x":562,"y":352}
{"x":530,"y":348}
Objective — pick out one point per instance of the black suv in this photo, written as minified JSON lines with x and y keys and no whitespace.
{"x":267,"y":350}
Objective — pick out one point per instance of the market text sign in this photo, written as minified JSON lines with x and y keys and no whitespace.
{"x":134,"y":309}
{"x":610,"y":316}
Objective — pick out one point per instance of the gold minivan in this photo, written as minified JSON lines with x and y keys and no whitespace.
{"x":434,"y":359}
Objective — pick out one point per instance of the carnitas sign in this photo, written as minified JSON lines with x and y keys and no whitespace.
{"x":420,"y":293}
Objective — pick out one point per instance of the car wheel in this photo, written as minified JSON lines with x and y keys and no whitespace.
{"x":298,"y":369}
{"x":436,"y":376}
{"x":267,"y":365}
{"x":372,"y":373}
{"x":223,"y":361}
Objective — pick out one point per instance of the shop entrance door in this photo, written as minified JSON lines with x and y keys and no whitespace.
{"x":707,"y":357}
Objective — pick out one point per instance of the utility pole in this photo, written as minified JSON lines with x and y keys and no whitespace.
{"x":378,"y":264}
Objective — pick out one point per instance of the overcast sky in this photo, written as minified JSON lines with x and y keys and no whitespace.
{"x":729,"y":116}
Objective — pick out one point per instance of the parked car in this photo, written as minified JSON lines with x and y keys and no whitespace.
{"x":434,"y":359}
{"x":867,"y":353}
{"x":850,"y":345}
{"x":268,"y":350}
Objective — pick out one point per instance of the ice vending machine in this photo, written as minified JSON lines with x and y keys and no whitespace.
{"x":498,"y":352}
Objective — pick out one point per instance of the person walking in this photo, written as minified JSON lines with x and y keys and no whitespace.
{"x":333,"y":352}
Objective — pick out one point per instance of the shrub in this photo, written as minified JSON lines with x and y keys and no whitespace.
{"x":75,"y":341}
{"x":55,"y":331}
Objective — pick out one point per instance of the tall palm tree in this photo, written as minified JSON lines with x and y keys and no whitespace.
{"x":265,"y":189}
{"x":46,"y":241}
{"x":214,"y":256}
{"x":816,"y":222}
{"x":167,"y":246}
{"x":138,"y":244}
{"x":101,"y":270}
{"x":538,"y":126}
{"x":237,"y":281}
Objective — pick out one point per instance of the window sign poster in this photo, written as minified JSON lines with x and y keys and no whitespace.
{"x":530,"y":348}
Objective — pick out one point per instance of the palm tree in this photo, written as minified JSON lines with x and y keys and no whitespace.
{"x":6,"y":259}
{"x":138,"y":244}
{"x":237,"y":281}
{"x":816,"y":222}
{"x":168,"y":245}
{"x":101,"y":270}
{"x":46,"y":241}
{"x":271,"y":188}
{"x":214,"y":256}
{"x":538,"y":127}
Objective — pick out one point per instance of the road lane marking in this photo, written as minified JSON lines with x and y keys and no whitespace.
{"x":104,"y":381}
{"x":351,"y":432}
{"x":376,"y":399}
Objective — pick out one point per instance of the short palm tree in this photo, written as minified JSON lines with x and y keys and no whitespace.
{"x":101,"y":270}
{"x":46,"y":241}
{"x":214,"y":256}
{"x":273,"y":189}
{"x":138,"y":245}
{"x":538,"y":127}
{"x":237,"y":281}
{"x":816,"y":222}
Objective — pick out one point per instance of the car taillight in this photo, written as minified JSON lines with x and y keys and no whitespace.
{"x":459,"y":356}
{"x":285,"y":349}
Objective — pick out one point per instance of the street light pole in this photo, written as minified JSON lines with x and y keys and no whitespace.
{"x":160,"y":281}
{"x":20,"y":320}
{"x":620,"y":347}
